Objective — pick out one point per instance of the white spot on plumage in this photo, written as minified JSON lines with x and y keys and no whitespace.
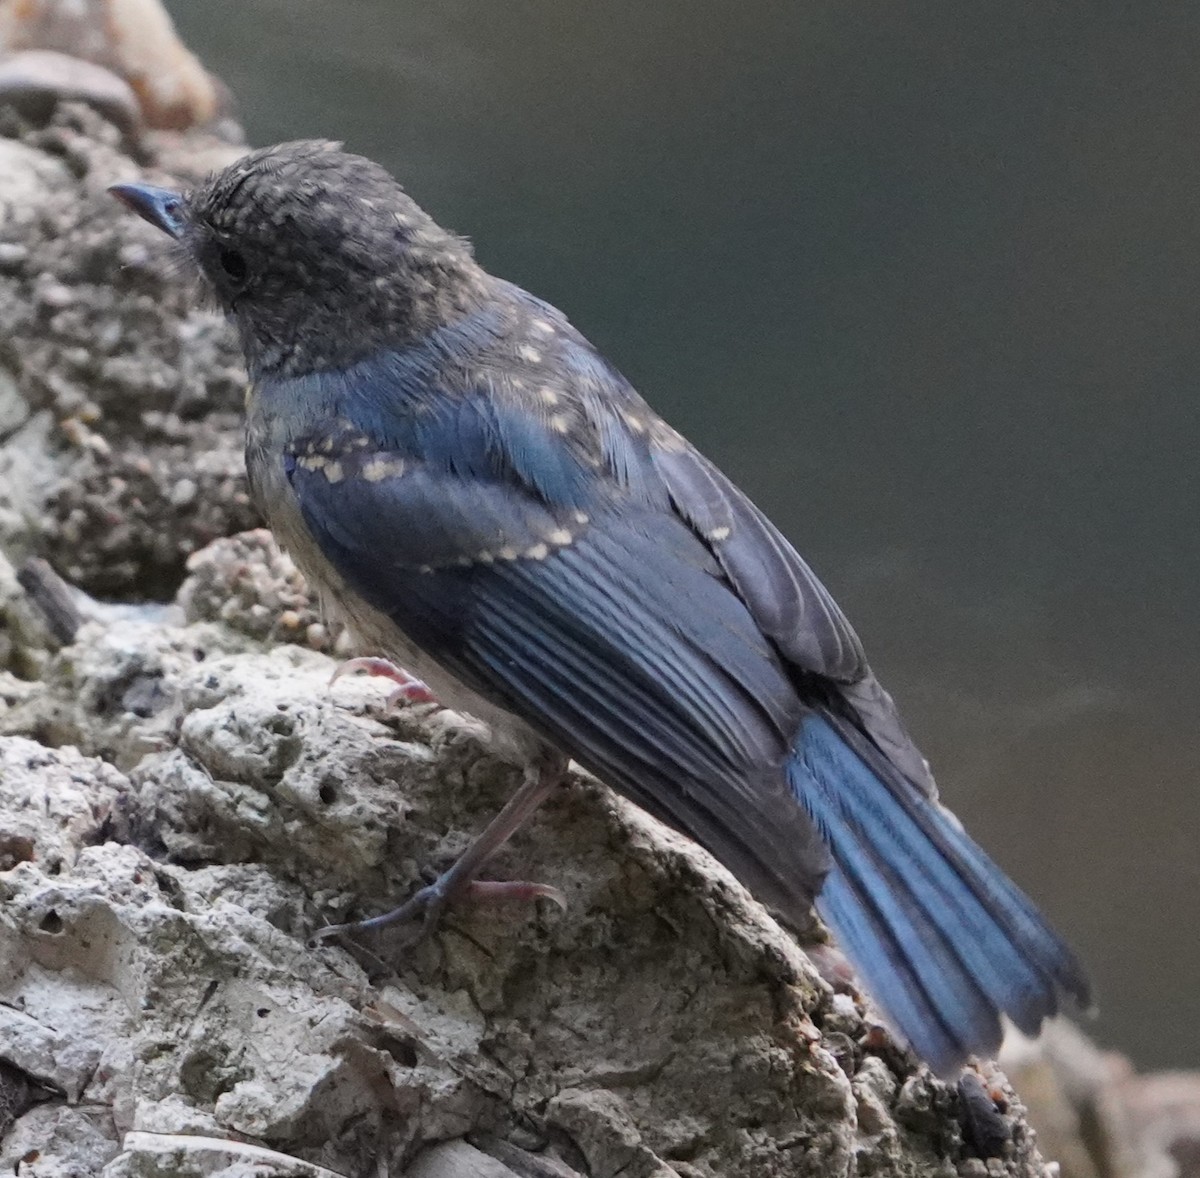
{"x":529,"y":354}
{"x":719,"y":534}
{"x":382,"y":468}
{"x":537,"y":552}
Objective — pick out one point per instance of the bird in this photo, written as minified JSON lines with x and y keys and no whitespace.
{"x":488,"y":503}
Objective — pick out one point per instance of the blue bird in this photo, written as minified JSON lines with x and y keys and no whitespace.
{"x":486,"y":501}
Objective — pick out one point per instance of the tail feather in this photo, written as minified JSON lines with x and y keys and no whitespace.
{"x":941,"y":937}
{"x":978,"y":915}
{"x":940,"y":1029}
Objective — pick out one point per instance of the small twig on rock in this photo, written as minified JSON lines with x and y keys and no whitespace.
{"x":53,"y":597}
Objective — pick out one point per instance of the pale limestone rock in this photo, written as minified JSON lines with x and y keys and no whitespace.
{"x":155,"y":964}
{"x":34,"y":81}
{"x":134,"y":39}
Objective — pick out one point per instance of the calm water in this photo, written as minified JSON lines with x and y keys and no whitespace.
{"x":925,"y":279}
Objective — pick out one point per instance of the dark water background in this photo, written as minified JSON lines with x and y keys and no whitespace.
{"x":924,"y":278}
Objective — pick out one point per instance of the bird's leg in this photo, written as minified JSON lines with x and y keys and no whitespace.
{"x":408,"y":689}
{"x":542,"y":777}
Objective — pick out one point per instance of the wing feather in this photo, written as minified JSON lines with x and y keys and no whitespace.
{"x":626,"y":647}
{"x":787,"y":600}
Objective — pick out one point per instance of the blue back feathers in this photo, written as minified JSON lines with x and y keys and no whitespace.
{"x":505,"y":497}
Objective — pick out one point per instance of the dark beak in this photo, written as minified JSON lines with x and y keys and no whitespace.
{"x":160,"y":206}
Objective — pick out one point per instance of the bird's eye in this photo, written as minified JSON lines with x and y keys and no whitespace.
{"x":233,"y":264}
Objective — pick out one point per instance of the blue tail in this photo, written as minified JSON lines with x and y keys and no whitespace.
{"x":943,"y":940}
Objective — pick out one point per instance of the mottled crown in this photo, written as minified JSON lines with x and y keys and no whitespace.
{"x":320,"y":256}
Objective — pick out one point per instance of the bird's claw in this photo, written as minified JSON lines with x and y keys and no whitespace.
{"x":544,"y":776}
{"x":409,"y":689}
{"x":426,"y":906}
{"x":424,"y":909}
{"x":491,"y":890}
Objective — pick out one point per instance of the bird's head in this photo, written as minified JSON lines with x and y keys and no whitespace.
{"x":319,"y":256}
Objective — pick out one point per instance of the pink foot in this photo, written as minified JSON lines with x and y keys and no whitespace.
{"x":490,"y":891}
{"x":409,"y":689}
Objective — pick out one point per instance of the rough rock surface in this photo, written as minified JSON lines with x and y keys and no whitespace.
{"x":184,"y":799}
{"x":247,"y":583}
{"x":183,"y":805}
{"x":120,"y":444}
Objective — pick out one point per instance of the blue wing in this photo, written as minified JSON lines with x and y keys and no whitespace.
{"x":789,"y":603}
{"x":611,"y":630}
{"x":569,"y":556}
{"x":549,"y":540}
